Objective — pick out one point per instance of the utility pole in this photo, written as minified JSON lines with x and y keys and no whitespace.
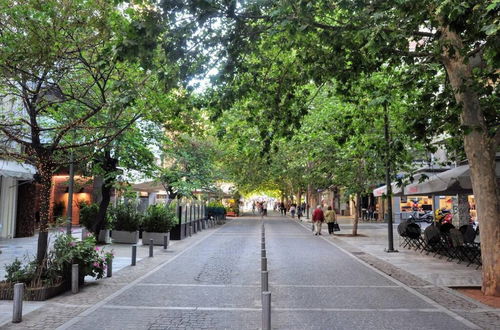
{"x":388,"y":180}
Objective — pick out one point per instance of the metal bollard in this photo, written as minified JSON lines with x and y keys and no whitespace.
{"x":263,"y":253}
{"x":134,"y":254}
{"x":17,"y":312}
{"x":165,"y":242}
{"x":74,"y":278}
{"x":264,"y":278}
{"x":109,"y":267}
{"x":263,"y":264}
{"x":190,"y":230}
{"x":151,"y":246}
{"x":266,"y":310}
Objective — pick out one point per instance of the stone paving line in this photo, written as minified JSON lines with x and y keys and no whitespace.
{"x":25,"y":249}
{"x":426,"y":267}
{"x":61,"y":309}
{"x":102,"y":297}
{"x":474,"y":311}
{"x":158,"y":312}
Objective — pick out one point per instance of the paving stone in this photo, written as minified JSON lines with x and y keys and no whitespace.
{"x":216,"y":285}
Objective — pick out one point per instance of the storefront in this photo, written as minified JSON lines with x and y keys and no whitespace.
{"x":11,"y":175}
{"x":451,"y":190}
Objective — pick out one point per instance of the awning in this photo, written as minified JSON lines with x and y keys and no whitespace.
{"x":149,"y":186}
{"x":16,"y":170}
{"x":451,"y":182}
{"x":396,"y":191}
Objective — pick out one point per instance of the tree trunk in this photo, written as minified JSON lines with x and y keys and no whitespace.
{"x":333,"y":200}
{"x":480,"y":149}
{"x":356,"y":216}
{"x":45,"y":172}
{"x":98,"y":181}
{"x":109,"y":165}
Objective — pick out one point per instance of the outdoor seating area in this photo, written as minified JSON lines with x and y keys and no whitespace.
{"x":442,"y":240}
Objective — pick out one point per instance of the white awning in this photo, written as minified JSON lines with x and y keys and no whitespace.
{"x":16,"y":170}
{"x":148,"y":186}
{"x":396,"y":191}
{"x":451,"y":182}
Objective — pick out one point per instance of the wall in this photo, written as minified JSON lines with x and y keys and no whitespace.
{"x":8,"y":206}
{"x":59,"y":194}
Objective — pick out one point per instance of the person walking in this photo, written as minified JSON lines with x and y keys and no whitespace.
{"x":331,"y":219}
{"x":292,"y":210}
{"x":299,"y":212}
{"x":318,"y":218}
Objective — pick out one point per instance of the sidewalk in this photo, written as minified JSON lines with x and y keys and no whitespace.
{"x":373,"y":241}
{"x":25,"y":249}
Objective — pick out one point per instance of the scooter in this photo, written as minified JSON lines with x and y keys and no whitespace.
{"x":421,"y":217}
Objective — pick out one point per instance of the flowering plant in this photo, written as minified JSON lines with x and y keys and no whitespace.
{"x":91,"y":260}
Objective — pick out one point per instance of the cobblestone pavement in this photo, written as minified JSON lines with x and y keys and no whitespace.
{"x":212,"y":281}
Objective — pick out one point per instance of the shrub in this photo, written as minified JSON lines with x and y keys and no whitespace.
{"x":125,"y":217}
{"x":88,"y":214}
{"x":215,"y":209}
{"x":16,"y":272}
{"x":57,"y":265}
{"x":58,"y":209}
{"x":159,"y":219}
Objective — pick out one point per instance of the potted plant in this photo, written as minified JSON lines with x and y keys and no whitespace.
{"x":88,"y":216}
{"x":53,"y":276}
{"x":157,"y":222}
{"x":126,"y":221}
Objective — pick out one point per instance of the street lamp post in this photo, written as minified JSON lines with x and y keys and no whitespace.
{"x":388,"y":181}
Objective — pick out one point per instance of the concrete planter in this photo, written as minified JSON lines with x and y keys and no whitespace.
{"x":84,"y":233}
{"x":34,"y":294}
{"x":157,"y":238}
{"x":104,"y":236}
{"x":127,"y":237}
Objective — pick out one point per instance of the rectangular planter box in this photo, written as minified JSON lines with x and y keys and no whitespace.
{"x":104,"y":236}
{"x":157,"y":238}
{"x":35,"y":294}
{"x":178,"y":232}
{"x":127,"y":237}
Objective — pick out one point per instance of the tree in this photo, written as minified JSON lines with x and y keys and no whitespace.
{"x":68,"y":87}
{"x":341,"y":39}
{"x":188,"y":165}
